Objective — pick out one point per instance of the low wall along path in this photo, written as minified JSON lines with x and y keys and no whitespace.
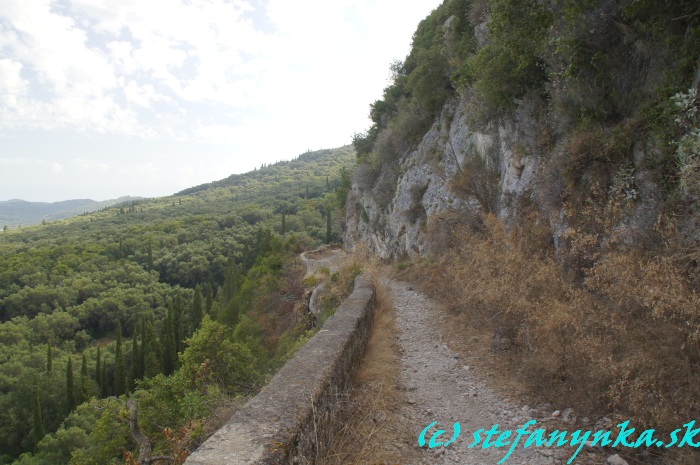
{"x":292,"y":419}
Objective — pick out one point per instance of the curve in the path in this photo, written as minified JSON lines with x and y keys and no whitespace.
{"x":330,"y":261}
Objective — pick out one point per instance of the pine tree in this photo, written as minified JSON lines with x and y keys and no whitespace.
{"x":38,"y":418}
{"x":197,"y":312}
{"x":169,"y":346}
{"x":85,"y":382}
{"x":328,"y":227}
{"x":70,"y":386}
{"x":120,"y":365}
{"x":284,"y":224}
{"x":49,"y":358}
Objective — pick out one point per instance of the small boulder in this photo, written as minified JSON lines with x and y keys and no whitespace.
{"x":616,"y":460}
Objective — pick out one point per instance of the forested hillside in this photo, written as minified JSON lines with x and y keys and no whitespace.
{"x":181,"y":303}
{"x":539,"y":163}
{"x":16,"y":213}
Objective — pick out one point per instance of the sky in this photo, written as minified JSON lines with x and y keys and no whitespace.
{"x":105,"y":98}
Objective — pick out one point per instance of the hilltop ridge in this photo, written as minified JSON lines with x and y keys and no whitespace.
{"x":17,"y":212}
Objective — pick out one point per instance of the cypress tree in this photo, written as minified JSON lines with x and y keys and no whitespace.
{"x":85,"y":382}
{"x":209,"y":299}
{"x":70,"y":387}
{"x":120,"y":365}
{"x":142,"y":352}
{"x":328,"y":227}
{"x":135,"y":371}
{"x":106,"y":388}
{"x":178,"y":325}
{"x":284,"y":224}
{"x":197,"y":312}
{"x":230,"y":282}
{"x":38,"y":418}
{"x":98,"y":371}
{"x":248,"y":257}
{"x":49,"y":358}
{"x":170,"y":348}
{"x":150,"y":254}
{"x":152,"y":353}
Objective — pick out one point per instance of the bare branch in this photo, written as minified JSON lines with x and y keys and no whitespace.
{"x":141,"y":439}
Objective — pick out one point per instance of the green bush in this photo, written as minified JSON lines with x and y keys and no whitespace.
{"x":511,"y":63}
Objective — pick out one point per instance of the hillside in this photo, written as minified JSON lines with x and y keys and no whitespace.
{"x":16,"y":212}
{"x":183,"y":304}
{"x":534,"y":167}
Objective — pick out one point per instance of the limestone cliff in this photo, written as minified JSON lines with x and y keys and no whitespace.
{"x":539,"y":155}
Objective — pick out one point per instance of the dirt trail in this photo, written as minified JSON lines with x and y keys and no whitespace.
{"x":440,"y":387}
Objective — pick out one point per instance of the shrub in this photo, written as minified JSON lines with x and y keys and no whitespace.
{"x":479,"y":179}
{"x":416,"y":211}
{"x":593,"y":146}
{"x":511,"y":64}
{"x":688,"y":147}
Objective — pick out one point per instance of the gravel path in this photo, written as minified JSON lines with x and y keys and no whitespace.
{"x":441,"y":388}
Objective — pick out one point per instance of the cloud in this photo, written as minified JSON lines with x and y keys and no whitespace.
{"x":12,"y":84}
{"x":90,"y":166}
{"x":258,"y":79}
{"x":145,"y":168}
{"x":55,"y":48}
{"x":99,"y":65}
{"x":20,"y":161}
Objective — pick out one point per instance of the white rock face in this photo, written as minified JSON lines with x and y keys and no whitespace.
{"x":417,"y":220}
{"x":424,"y":198}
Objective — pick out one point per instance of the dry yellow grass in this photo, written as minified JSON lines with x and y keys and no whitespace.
{"x":373,"y":430}
{"x":622,"y":341}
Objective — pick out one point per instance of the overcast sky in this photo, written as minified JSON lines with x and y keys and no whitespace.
{"x":105,"y":98}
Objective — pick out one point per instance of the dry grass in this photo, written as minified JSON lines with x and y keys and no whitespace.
{"x":622,"y":342}
{"x":374,"y":431}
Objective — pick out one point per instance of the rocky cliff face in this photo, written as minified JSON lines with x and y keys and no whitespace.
{"x":426,"y":201}
{"x":518,"y":156}
{"x":552,"y":113}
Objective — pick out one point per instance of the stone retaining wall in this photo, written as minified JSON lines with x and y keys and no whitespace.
{"x":294,"y":417}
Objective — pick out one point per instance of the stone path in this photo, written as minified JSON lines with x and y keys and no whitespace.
{"x":441,"y":388}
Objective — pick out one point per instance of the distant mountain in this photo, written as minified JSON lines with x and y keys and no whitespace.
{"x":16,"y":212}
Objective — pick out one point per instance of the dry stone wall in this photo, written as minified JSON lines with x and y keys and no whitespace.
{"x":293,"y":417}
